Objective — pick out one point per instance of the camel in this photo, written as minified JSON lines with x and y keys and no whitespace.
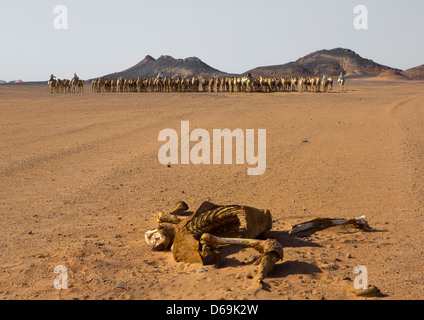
{"x":287,"y":84}
{"x":312,"y":84}
{"x":218,"y":84}
{"x":52,"y":85}
{"x":205,"y":84}
{"x":301,"y":84}
{"x":60,"y":86}
{"x":264,"y":84}
{"x":248,"y":85}
{"x":317,"y":84}
{"x":227,"y":84}
{"x":113,"y":85}
{"x":237,"y":84}
{"x":120,"y":85}
{"x":108,"y":85}
{"x":139,"y":84}
{"x":341,"y":82}
{"x":94,"y":85}
{"x":166,"y":84}
{"x":308,"y":84}
{"x":186,"y":85}
{"x":280,"y":84}
{"x":195,"y":239}
{"x":80,"y":86}
{"x":74,"y":84}
{"x":100,"y":85}
{"x":293,"y":83}
{"x":195,"y":84}
{"x":211,"y":84}
{"x":158,"y":84}
{"x":327,"y":84}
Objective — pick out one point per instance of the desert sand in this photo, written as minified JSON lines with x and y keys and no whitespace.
{"x":81,"y":184}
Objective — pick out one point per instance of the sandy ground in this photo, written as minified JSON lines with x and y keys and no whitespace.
{"x":80,"y":184}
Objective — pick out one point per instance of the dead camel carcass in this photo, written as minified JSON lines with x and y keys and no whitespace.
{"x":197,"y":238}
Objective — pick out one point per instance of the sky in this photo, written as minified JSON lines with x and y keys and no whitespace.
{"x":234,"y":36}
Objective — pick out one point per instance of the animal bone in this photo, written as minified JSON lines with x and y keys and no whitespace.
{"x":225,"y":221}
{"x":171,"y":216}
{"x":196,"y":238}
{"x":161,"y":238}
{"x":322,"y":223}
{"x":218,"y":220}
{"x":179,"y":208}
{"x":271,"y":249}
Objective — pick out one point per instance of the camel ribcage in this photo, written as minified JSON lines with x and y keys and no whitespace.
{"x":215,"y":220}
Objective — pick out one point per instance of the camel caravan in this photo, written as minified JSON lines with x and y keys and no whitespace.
{"x":195,"y":84}
{"x":214,"y":84}
{"x":75,"y":85}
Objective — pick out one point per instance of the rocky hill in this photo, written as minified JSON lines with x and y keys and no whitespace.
{"x":331,"y":62}
{"x":392,"y":75}
{"x":416,"y":73}
{"x":168,"y":66}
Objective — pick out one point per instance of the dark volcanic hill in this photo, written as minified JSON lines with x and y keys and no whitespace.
{"x":416,"y":73}
{"x":168,"y":66}
{"x":331,"y":62}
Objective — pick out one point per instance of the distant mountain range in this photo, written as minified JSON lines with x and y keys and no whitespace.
{"x":331,"y":62}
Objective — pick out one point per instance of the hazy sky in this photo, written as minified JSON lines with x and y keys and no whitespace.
{"x":230,"y":35}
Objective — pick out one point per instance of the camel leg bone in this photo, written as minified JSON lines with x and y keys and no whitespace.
{"x":172,"y":216}
{"x":322,"y":223}
{"x":271,"y":249}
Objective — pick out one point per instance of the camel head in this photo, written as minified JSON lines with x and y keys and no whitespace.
{"x":160,"y":239}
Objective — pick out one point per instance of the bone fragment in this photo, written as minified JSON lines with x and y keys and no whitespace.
{"x":322,"y":223}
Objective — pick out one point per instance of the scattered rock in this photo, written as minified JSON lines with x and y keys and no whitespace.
{"x":371,"y":291}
